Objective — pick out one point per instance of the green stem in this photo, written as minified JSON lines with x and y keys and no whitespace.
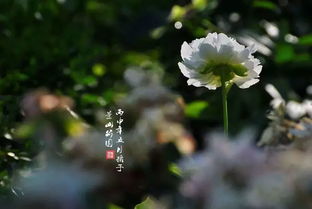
{"x":224,"y":104}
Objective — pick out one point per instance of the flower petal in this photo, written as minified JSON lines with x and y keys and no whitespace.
{"x":186,"y":51}
{"x":251,"y":63}
{"x":194,"y":82}
{"x":243,"y":55}
{"x":222,"y":40}
{"x":196,"y":43}
{"x":246,"y":83}
{"x":211,"y":38}
{"x":211,"y":87}
{"x":226,"y":53}
{"x":257,"y":69}
{"x":187,"y":72}
{"x":252,"y":48}
{"x":195,"y":62}
{"x":209,"y":80}
{"x":207,"y":51}
{"x":237,"y":46}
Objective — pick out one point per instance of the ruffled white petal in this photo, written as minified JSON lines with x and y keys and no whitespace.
{"x":187,"y":72}
{"x":211,"y":87}
{"x":195,"y":82}
{"x":257,"y":69}
{"x":243,"y":55}
{"x":252,"y":48}
{"x":227,"y":53}
{"x":209,"y":81}
{"x":196,"y":43}
{"x":222,"y":39}
{"x":246,"y":83}
{"x":186,"y":51}
{"x":238,"y":47}
{"x":195,"y":62}
{"x":211,"y":38}
{"x":251,"y":63}
{"x":207,"y":51}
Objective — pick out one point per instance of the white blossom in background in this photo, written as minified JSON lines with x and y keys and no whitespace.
{"x":277,"y":98}
{"x":206,"y":59}
{"x":307,"y":104}
{"x":295,"y":109}
{"x":291,"y":121}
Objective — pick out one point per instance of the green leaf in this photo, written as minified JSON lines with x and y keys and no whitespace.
{"x":94,"y":6}
{"x":265,"y":5}
{"x":174,"y":168}
{"x":284,"y":53}
{"x":26,"y":130}
{"x":194,"y":109}
{"x":89,"y":80}
{"x":199,"y":4}
{"x":148,"y":203}
{"x":158,"y":32}
{"x":90,"y":98}
{"x":306,"y":40}
{"x":98,"y":69}
{"x":112,"y":206}
{"x":177,"y":12}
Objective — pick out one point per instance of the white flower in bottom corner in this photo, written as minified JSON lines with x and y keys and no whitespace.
{"x":218,"y":58}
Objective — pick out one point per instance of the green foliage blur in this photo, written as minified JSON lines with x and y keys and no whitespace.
{"x":81,"y":49}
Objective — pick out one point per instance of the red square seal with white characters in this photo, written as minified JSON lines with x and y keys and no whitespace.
{"x":110,"y":154}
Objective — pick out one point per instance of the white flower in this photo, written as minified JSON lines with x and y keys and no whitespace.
{"x":205,"y":60}
{"x":295,"y":110}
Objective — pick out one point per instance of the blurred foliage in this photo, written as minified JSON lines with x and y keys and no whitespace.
{"x":81,"y":49}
